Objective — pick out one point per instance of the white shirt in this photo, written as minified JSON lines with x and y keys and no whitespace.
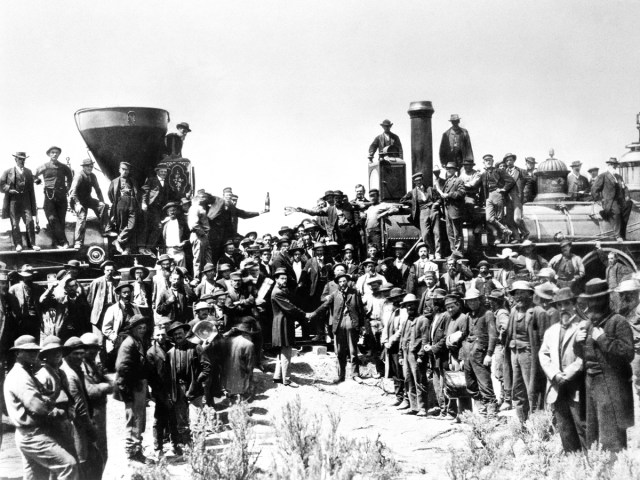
{"x":172,"y":238}
{"x":297,"y":267}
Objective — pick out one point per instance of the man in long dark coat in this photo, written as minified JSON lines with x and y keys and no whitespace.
{"x":605,"y":343}
{"x":610,"y":189}
{"x":455,"y":145}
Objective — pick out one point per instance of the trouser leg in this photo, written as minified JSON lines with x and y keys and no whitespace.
{"x":519,"y":395}
{"x":454,"y":233}
{"x":282,"y":367}
{"x":15,"y":214}
{"x":565,"y":423}
{"x":409,"y":382}
{"x":43,"y":456}
{"x":181,"y":409}
{"x":426,"y":230}
{"x":342,"y":350}
{"x":497,"y":374}
{"x":418,"y":382}
{"x":395,"y":370}
{"x":482,"y":374}
{"x":352,"y":338}
{"x":135,"y":414}
{"x":438,"y":386}
{"x":635,"y":368}
{"x":153,"y":229}
{"x":81,"y":224}
{"x":160,"y":418}
{"x":611,"y":436}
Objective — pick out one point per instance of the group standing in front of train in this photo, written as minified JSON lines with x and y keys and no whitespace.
{"x":521,"y":332}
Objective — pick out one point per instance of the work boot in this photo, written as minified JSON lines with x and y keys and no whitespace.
{"x":506,"y":405}
{"x":137,"y":457}
{"x":404,"y":405}
{"x":18,"y":248}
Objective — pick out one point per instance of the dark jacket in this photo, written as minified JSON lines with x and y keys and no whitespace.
{"x":520,"y":178}
{"x":285,"y":314}
{"x":411,"y":200}
{"x":336,"y":304}
{"x":318,"y":275}
{"x":439,"y":355}
{"x":154,"y":194}
{"x":446,"y":155}
{"x":380,"y":142}
{"x":132,"y":369}
{"x":8,"y":182}
{"x":610,"y":189}
{"x":176,"y":310}
{"x":454,"y":203}
{"x":81,"y":188}
{"x":482,"y":335}
{"x":496,"y":179}
{"x":533,"y":323}
{"x":114,"y":195}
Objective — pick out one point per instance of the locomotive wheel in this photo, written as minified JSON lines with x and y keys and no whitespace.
{"x":96,"y":255}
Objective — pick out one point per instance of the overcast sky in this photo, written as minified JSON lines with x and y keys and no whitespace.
{"x":286,"y":96}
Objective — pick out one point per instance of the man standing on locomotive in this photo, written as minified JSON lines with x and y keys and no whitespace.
{"x":495,"y":184}
{"x":155,"y":195}
{"x":57,"y":180}
{"x":19,"y":201}
{"x":425,"y":212}
{"x":123,"y":194}
{"x":81,"y":201}
{"x":610,"y":189}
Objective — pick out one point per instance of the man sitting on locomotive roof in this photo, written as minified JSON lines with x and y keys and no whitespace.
{"x":57,"y":180}
{"x":81,"y":201}
{"x":609,"y":189}
{"x":19,"y":201}
{"x":123,"y":195}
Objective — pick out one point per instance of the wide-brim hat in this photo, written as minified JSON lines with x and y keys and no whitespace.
{"x":184,"y":125}
{"x":472,"y":294}
{"x":340,"y":264}
{"x":317,"y":245}
{"x":91,"y":340}
{"x":25,"y":342}
{"x":26,"y":271}
{"x":547,"y":272}
{"x":121,"y":285}
{"x":439,"y":294}
{"x":593,"y":169}
{"x":163,"y":258}
{"x":483,"y":263}
{"x":453,"y":165}
{"x":224,"y":267}
{"x":51,"y":344}
{"x":21,"y":155}
{"x":400,"y":246}
{"x":545,"y":290}
{"x":106,"y":263}
{"x":327,"y":194}
{"x":219,"y":292}
{"x":284,"y":229}
{"x":396,"y":293}
{"x":452,"y":298}
{"x":527,"y":243}
{"x":368,"y":261}
{"x":454,"y":117}
{"x":201,"y":306}
{"x":208,"y":268}
{"x":521,"y":285}
{"x":53,"y":148}
{"x":408,"y":299}
{"x":613,"y":161}
{"x":509,"y":155}
{"x":377,"y":279}
{"x":136,"y":320}
{"x":169,"y":205}
{"x":72,"y":344}
{"x":348,"y":247}
{"x":530,"y":160}
{"x":145,"y":271}
{"x":563,"y":294}
{"x":282,"y":240}
{"x":86,"y":162}
{"x":596,"y":287}
{"x":386,"y":122}
{"x":506,"y":253}
{"x":577,"y":163}
{"x":338,"y":277}
{"x":73,"y":263}
{"x":496,"y":295}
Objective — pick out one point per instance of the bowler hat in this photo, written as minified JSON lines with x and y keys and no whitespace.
{"x":340,"y":264}
{"x":596,"y":287}
{"x":451,"y":298}
{"x":296,"y":248}
{"x":409,"y":298}
{"x":25,"y":342}
{"x":284,"y":229}
{"x":163,"y":166}
{"x":368,"y":261}
{"x":132,"y":271}
{"x":72,"y":344}
{"x":170,"y":205}
{"x":386,"y":122}
{"x":400,"y":245}
{"x":451,"y":165}
{"x":184,"y":125}
{"x":86,"y":162}
{"x":54,"y":148}
{"x":282,"y":240}
{"x":417,"y":175}
{"x":530,"y":160}
{"x":454,"y":117}
{"x":509,"y":155}
{"x":521,"y":285}
{"x":21,"y":155}
{"x":136,"y":320}
{"x":563,"y":294}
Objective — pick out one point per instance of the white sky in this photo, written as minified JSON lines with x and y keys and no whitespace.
{"x":286,"y":96}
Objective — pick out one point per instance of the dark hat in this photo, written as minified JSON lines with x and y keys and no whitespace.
{"x":282,"y":240}
{"x":201,"y":306}
{"x":386,"y":122}
{"x":396,"y":293}
{"x":236,"y":276}
{"x":530,"y":160}
{"x":577,"y":163}
{"x":374,"y":190}
{"x":22,"y":155}
{"x":234,"y":196}
{"x":377,"y":279}
{"x":309,"y":224}
{"x":284,"y":229}
{"x":593,"y":169}
{"x":54,"y":148}
{"x":328,"y":193}
{"x":613,"y":161}
{"x":163,"y":258}
{"x":508,"y":155}
{"x":25,"y":342}
{"x":169,"y":205}
{"x":563,"y":294}
{"x":338,"y":277}
{"x":338,"y":193}
{"x":72,"y":344}
{"x":596,"y":287}
{"x":164,"y":166}
{"x":296,"y":248}
{"x":439,"y":294}
{"x":210,"y":296}
{"x":565,"y":243}
{"x":451,"y":165}
{"x":136,"y":320}
{"x":483,"y":263}
{"x":229,"y":242}
{"x":184,"y":125}
{"x":245,"y":241}
{"x":417,"y":175}
{"x":488,"y":156}
{"x":496,"y":295}
{"x":454,"y":117}
{"x":86,"y":162}
{"x":400,"y":245}
{"x":280,"y":271}
{"x":50,"y":344}
{"x":73,"y":263}
{"x":208,"y":267}
{"x":451,"y":298}
{"x":185,"y":201}
{"x":368,"y":261}
{"x":121,"y":285}
{"x":468,"y":161}
{"x":145,"y":271}
{"x":106,"y":263}
{"x":251,"y":233}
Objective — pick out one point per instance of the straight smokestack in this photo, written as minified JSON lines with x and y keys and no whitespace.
{"x":421,"y":140}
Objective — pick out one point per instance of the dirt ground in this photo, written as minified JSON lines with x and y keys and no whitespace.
{"x":422,"y":446}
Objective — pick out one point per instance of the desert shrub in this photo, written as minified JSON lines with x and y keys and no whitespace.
{"x":232,"y":458}
{"x":309,"y":446}
{"x":157,"y":471}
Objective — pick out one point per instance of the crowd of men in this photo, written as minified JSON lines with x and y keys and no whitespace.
{"x":518,"y":331}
